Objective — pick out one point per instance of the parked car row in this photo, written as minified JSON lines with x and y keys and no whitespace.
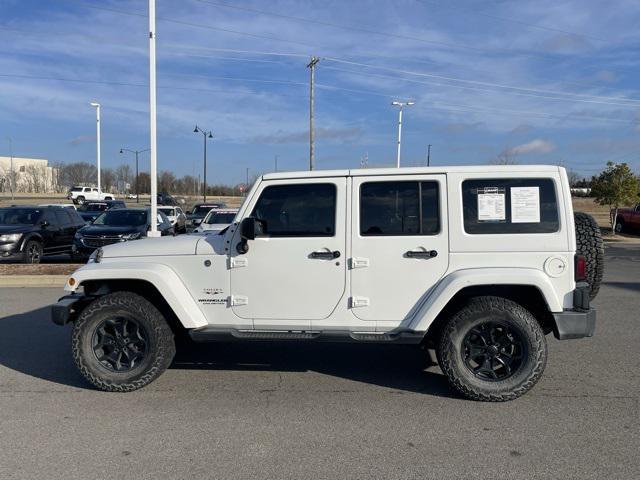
{"x":29,"y":233}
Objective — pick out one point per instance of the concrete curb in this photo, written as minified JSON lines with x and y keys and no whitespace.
{"x":33,"y":280}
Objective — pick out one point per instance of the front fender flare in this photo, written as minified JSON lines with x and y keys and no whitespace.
{"x":451,"y":284}
{"x":160,"y":276}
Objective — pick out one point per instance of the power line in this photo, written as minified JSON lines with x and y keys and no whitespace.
{"x":478,"y":89}
{"x":511,"y":20}
{"x":354,"y":28}
{"x":477,"y":82}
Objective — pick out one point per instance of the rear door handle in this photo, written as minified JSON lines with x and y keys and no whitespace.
{"x":421,"y":253}
{"x":326,"y":254}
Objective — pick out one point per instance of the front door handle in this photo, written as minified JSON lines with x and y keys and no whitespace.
{"x":326,"y":254}
{"x":421,"y":253}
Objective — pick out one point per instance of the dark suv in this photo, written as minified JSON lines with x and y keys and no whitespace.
{"x":92,"y":210}
{"x":27,"y":233}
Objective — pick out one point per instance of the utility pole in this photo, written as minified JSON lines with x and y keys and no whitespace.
{"x":312,"y":67}
{"x":247,"y":184}
{"x":276,"y":166}
{"x":136,"y":152}
{"x":400,"y":106}
{"x":153,"y":170}
{"x":429,"y":155}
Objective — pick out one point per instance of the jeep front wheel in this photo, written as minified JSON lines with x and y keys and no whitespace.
{"x":121,"y":342}
{"x":492,"y":350}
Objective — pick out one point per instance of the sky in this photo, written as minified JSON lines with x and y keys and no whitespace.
{"x":546,"y":82}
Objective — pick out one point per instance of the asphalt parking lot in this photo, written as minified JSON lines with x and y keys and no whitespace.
{"x":321,"y":411}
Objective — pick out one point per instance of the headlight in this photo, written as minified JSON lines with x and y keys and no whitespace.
{"x":131,"y":236}
{"x":10,"y":237}
{"x":77,"y":236}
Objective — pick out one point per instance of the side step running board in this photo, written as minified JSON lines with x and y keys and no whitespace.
{"x":214,"y":334}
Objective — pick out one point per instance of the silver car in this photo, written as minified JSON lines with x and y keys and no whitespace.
{"x":217,"y":220}
{"x":177,"y":218}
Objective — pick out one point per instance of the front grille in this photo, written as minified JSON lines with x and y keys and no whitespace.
{"x":101,"y":241}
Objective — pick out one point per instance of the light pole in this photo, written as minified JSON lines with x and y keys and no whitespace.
{"x":429,"y":155}
{"x":153,"y":144}
{"x":137,"y":152}
{"x":400,"y":106}
{"x":11,"y":176}
{"x":206,"y":135}
{"x":97,"y":107}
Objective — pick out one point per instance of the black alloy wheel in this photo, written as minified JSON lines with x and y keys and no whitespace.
{"x":120,"y":343}
{"x":493,"y":351}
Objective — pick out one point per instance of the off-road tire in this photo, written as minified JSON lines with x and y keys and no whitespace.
{"x":477,"y":311}
{"x":158,"y":357}
{"x":79,"y":200}
{"x":31,"y":247}
{"x":619,"y":227}
{"x":108,"y":198}
{"x":590,"y":245}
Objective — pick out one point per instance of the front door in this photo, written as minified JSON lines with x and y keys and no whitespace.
{"x":296,"y":272}
{"x":399,"y":244}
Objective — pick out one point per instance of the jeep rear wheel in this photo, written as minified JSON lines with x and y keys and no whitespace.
{"x":589,"y":244}
{"x":121,"y":342}
{"x":80,"y":200}
{"x":492,"y":350}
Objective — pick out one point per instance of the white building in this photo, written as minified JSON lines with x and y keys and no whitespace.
{"x":32,"y":175}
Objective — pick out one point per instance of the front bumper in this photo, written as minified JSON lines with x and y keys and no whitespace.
{"x":578,"y":322}
{"x":67,"y":308}
{"x":9,"y":250}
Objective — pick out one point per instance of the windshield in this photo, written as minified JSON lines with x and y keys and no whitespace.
{"x":220,"y":218}
{"x":122,"y":218}
{"x":167,"y":211}
{"x":201,"y":209}
{"x":19,"y":216}
{"x":93,"y":207}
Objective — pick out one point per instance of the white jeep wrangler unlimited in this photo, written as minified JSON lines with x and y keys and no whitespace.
{"x":478,"y":263}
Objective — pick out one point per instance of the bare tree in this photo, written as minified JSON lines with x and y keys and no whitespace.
{"x":108,"y":180}
{"x":79,"y":173}
{"x":505,"y":157}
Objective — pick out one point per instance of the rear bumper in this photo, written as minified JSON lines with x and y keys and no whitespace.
{"x":578,"y":322}
{"x":574,"y":324}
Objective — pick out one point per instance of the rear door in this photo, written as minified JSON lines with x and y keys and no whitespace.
{"x":399,"y":244}
{"x":296,"y":272}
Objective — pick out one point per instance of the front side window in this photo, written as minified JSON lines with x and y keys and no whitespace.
{"x":399,"y":208}
{"x":306,"y":210}
{"x":510,"y":205}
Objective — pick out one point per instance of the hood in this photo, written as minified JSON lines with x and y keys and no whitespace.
{"x":109,"y":230}
{"x":16,"y":228}
{"x":162,"y":246}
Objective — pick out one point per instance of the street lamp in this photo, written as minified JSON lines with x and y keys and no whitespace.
{"x":137,"y":152}
{"x":400,"y":106}
{"x":205,"y":135}
{"x":97,"y":107}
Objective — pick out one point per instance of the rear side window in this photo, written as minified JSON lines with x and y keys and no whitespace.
{"x":510,"y":205}
{"x":399,"y":208}
{"x":307,"y":210}
{"x":62,"y":217}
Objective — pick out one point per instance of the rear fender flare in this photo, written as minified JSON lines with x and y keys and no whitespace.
{"x":447,"y":288}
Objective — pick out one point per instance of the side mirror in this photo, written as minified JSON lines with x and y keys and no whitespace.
{"x":250,"y":229}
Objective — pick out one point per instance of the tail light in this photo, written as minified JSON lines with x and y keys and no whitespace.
{"x":580,"y":268}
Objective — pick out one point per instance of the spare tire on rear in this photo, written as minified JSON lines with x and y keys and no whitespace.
{"x":590,"y":245}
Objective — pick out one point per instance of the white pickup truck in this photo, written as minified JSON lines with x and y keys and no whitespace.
{"x":478,"y":263}
{"x":81,"y":194}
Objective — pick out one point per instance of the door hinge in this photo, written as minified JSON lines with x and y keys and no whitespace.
{"x":237,"y":300}
{"x":359,"y":262}
{"x":237,"y":262}
{"x":359,"y":302}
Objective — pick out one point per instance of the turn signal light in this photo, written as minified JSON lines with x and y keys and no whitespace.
{"x":72,"y":282}
{"x":580,"y":268}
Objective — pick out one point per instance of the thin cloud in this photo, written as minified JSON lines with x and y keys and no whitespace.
{"x":534,"y":146}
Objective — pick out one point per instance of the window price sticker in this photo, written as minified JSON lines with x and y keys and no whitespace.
{"x":525,"y":204}
{"x":491,"y":205}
